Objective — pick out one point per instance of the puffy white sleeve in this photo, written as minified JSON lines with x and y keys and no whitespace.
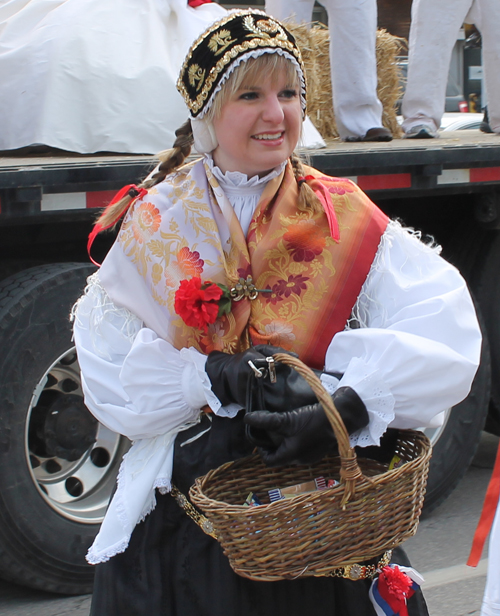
{"x":414,"y":346}
{"x":134,"y":382}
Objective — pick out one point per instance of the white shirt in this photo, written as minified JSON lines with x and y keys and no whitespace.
{"x":410,"y":352}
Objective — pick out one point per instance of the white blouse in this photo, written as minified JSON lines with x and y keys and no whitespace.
{"x":410,"y":351}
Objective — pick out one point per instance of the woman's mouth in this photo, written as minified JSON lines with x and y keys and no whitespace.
{"x":269,"y":136}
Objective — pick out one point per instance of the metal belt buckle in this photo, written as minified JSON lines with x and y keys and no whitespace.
{"x":354,"y":572}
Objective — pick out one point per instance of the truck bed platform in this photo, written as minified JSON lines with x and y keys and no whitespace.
{"x":455,"y":162}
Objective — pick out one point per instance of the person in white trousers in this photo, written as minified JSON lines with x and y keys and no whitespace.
{"x":433,"y":32}
{"x":353,"y":30}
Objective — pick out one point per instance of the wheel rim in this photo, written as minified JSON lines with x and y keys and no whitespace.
{"x":434,"y":434}
{"x":72,"y":458}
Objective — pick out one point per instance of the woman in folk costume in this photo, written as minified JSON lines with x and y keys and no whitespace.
{"x":314,"y":267}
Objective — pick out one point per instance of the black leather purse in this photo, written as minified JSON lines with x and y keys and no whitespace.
{"x":292,"y":392}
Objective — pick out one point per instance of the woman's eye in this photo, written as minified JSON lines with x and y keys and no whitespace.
{"x":289,"y":93}
{"x":248,"y":96}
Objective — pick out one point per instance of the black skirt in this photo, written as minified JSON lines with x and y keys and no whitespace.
{"x":171,"y":568}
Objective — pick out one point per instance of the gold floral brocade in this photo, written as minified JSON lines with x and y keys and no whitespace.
{"x":185,"y":227}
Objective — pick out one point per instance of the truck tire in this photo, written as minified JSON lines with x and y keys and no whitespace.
{"x":57,"y":463}
{"x":475,"y":250}
{"x":487,"y":291}
{"x":455,"y":443}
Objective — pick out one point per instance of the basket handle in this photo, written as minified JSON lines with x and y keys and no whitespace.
{"x":350,"y":472}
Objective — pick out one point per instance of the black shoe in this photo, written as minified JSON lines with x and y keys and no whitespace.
{"x":378,"y":133}
{"x":485,"y":127}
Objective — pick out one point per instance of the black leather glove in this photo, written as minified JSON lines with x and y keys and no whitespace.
{"x":230,"y":375}
{"x":291,"y":391}
{"x":305,"y":435}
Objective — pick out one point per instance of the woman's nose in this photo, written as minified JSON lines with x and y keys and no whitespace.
{"x":273,"y":110}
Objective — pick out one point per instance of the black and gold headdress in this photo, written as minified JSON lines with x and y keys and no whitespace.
{"x":217,"y":52}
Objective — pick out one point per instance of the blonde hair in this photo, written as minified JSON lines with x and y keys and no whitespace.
{"x":246,"y":74}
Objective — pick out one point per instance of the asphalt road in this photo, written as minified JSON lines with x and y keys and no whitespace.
{"x":438,"y":551}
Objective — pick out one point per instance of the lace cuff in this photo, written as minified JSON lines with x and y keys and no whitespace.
{"x":197,"y":387}
{"x":231,"y":410}
{"x":195,"y":381}
{"x":378,"y":399}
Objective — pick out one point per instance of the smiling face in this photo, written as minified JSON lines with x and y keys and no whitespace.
{"x":259,"y":123}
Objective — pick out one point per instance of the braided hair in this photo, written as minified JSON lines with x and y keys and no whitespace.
{"x":307,"y":196}
{"x":170,"y":161}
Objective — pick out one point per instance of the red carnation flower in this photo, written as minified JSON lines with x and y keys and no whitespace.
{"x":199,"y":304}
{"x":395,"y":582}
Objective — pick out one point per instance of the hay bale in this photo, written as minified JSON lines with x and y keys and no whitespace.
{"x":314,"y":44}
{"x":389,"y":88}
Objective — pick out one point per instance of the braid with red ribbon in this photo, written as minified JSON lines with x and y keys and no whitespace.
{"x":133,"y":193}
{"x":325,"y":199}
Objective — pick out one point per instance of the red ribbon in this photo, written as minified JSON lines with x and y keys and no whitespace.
{"x":491,"y":501}
{"x":119,"y":195}
{"x":326,"y":201}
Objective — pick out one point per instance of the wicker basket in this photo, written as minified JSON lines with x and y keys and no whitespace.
{"x":373,"y":510}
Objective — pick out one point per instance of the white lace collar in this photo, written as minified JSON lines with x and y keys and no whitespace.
{"x":242,"y":193}
{"x":235,"y":182}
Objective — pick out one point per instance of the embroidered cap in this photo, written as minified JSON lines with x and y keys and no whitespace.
{"x":220,"y":49}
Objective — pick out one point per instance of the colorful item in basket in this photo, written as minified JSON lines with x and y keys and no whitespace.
{"x":331,"y":483}
{"x":277,"y":494}
{"x":252,"y":500}
{"x":396,"y":462}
